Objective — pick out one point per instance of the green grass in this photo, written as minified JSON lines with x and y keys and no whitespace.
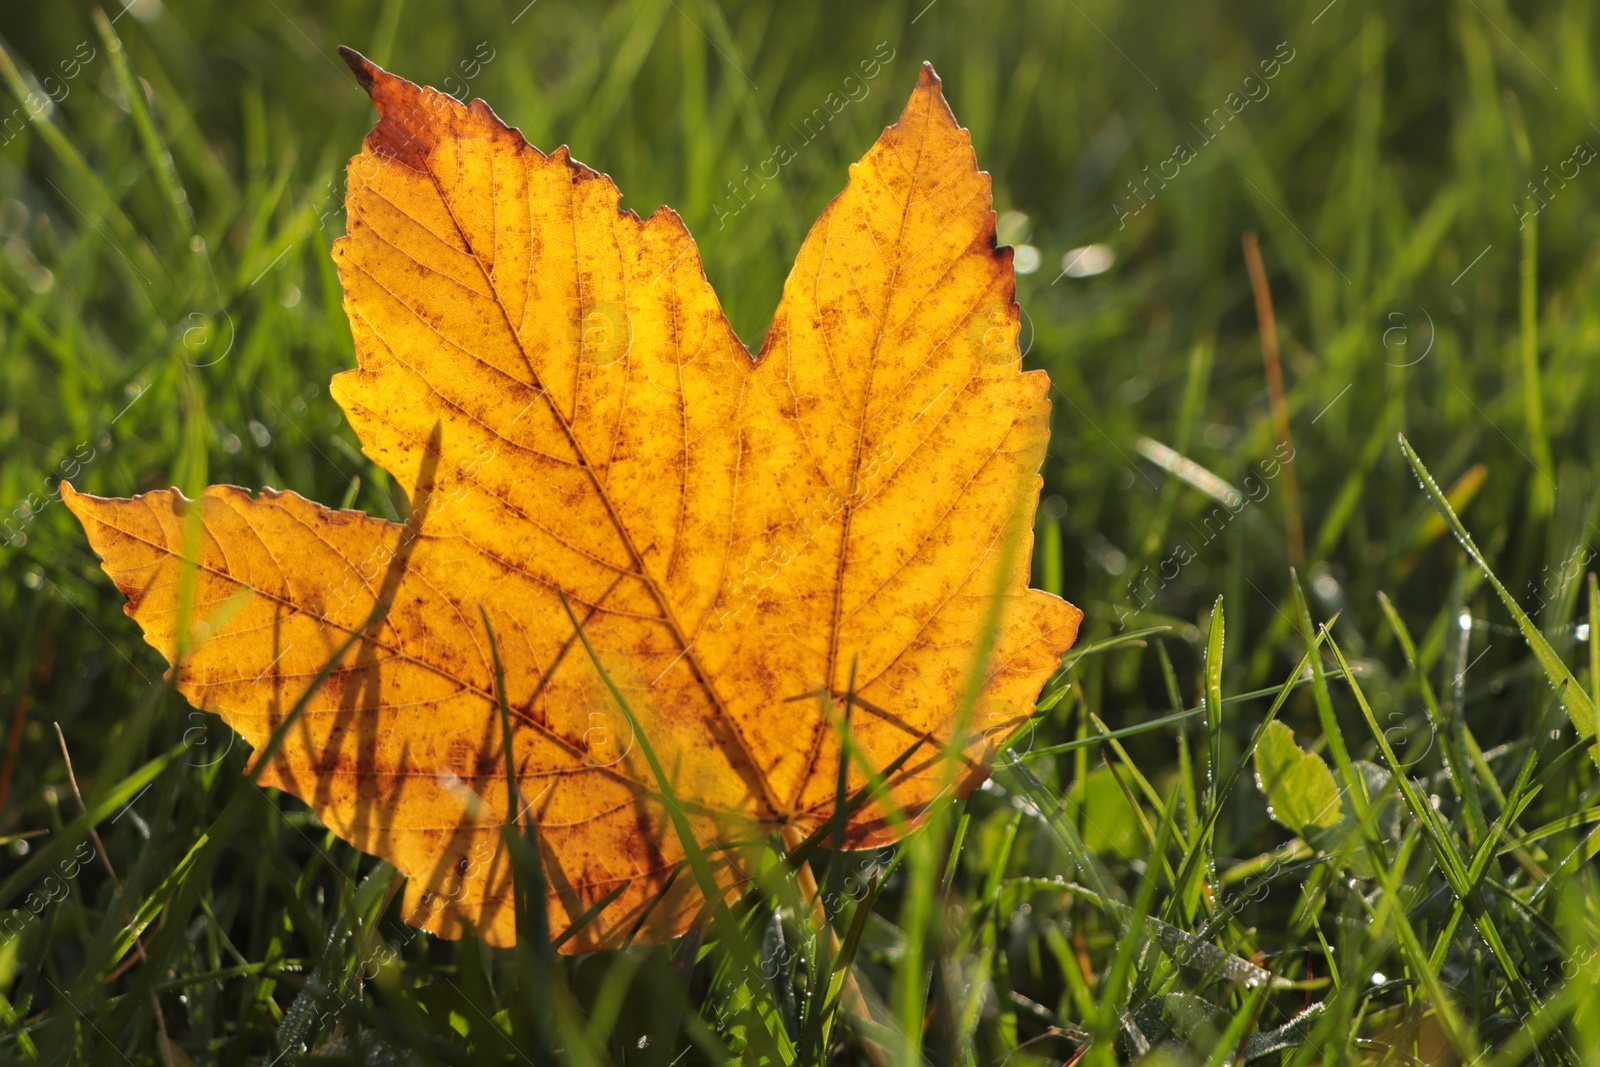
{"x":169,"y":314}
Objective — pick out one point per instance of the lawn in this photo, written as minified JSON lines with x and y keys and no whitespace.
{"x":1312,"y":286}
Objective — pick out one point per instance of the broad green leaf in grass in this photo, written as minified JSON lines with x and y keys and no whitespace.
{"x":1110,"y":825}
{"x":1303,"y":795}
{"x":1300,"y":790}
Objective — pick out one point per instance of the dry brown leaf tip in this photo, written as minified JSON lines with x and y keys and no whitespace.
{"x":555,"y":382}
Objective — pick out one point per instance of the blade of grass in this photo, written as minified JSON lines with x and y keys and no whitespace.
{"x":1267,"y":323}
{"x":1200,"y":849}
{"x":1443,"y":847}
{"x":730,"y":930}
{"x":1213,"y":703}
{"x":1572,"y":696}
{"x":1541,"y":490}
{"x":1324,"y":700}
{"x":1459,"y":773}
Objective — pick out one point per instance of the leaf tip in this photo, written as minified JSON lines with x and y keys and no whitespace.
{"x":929,"y":77}
{"x":363,"y":68}
{"x":406,"y":112}
{"x":81,"y":505}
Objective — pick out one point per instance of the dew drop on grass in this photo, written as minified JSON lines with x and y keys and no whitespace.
{"x":1026,"y":259}
{"x":34,"y":580}
{"x":20,"y":847}
{"x":261,"y":435}
{"x":231,"y":445}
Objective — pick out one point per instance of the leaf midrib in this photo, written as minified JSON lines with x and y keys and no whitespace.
{"x":668,"y":615}
{"x":836,"y":622}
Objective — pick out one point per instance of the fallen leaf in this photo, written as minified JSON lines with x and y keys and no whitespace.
{"x":554,"y":380}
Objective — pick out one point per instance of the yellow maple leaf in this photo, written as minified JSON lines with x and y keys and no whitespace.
{"x":738,"y":539}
